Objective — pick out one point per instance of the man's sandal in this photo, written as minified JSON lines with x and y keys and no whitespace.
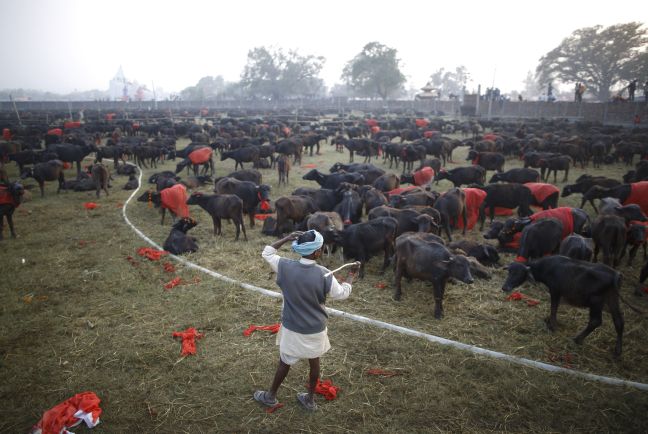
{"x":263,"y":397}
{"x":308,"y":404}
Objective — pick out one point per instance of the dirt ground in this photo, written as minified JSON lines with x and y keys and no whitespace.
{"x":79,"y":315}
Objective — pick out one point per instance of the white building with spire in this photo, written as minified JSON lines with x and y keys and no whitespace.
{"x":122,"y":89}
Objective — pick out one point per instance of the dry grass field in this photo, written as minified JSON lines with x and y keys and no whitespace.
{"x":77,"y":316}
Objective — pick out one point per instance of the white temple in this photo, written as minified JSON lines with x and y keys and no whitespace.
{"x":122,"y":89}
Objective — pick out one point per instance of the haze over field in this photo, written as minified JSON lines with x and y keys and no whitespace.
{"x":66,"y":45}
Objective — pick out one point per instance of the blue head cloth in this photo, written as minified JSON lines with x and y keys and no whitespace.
{"x":309,"y":247}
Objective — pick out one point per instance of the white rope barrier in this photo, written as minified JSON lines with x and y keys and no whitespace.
{"x":392,"y":327}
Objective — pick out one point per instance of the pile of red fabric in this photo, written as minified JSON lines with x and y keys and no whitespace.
{"x":175,"y":199}
{"x":200,"y":156}
{"x":82,"y":407}
{"x":562,"y":214}
{"x":273,"y":328}
{"x":327,"y":389}
{"x":517,"y":296}
{"x":188,"y":337}
{"x":90,"y":205}
{"x":151,"y":254}
{"x":423,"y":176}
{"x":541,"y":191}
{"x":639,"y":195}
{"x":173,"y":283}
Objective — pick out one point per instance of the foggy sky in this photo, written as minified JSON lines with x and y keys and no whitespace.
{"x":63,"y":45}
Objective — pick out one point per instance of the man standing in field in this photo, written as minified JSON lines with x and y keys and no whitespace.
{"x":303,"y":334}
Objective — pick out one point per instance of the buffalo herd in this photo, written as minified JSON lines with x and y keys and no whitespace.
{"x":364,"y":210}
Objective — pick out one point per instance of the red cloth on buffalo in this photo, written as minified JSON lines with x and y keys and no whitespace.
{"x":401,"y":190}
{"x":82,"y":407}
{"x":428,"y":134}
{"x":6,"y":198}
{"x":375,"y":129}
{"x":175,"y":199}
{"x":200,"y":156}
{"x":474,"y":198}
{"x":72,"y":125}
{"x":55,"y":132}
{"x":423,"y":176}
{"x":371,"y":123}
{"x":562,"y":214}
{"x":6,"y":133}
{"x":421,"y":123}
{"x":490,"y":136}
{"x":515,"y":244}
{"x":541,"y":191}
{"x":639,"y":195}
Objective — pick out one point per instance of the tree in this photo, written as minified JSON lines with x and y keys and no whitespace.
{"x":532,"y":88}
{"x":374,"y":71}
{"x":450,"y":82}
{"x":598,"y":57}
{"x":275,"y":74}
{"x":207,"y":88}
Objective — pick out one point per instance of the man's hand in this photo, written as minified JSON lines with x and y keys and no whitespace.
{"x":293,"y":236}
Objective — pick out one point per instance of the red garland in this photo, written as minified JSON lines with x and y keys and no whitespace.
{"x":189,"y":337}
{"x":327,"y":389}
{"x":273,"y":328}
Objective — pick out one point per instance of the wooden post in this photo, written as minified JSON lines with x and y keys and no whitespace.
{"x":16,"y":110}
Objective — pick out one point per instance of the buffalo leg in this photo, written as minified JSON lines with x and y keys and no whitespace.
{"x":163,"y":213}
{"x":595,"y":320}
{"x":216,"y":223}
{"x":250,"y":213}
{"x":242,"y":223}
{"x":10,"y":222}
{"x":596,"y":252}
{"x":552,"y":321}
{"x":439,"y":289}
{"x":41,"y":185}
{"x":398,"y":275}
{"x":617,"y":318}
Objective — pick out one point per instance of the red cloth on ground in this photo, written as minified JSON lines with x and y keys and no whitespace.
{"x":327,"y":389}
{"x":173,"y":283}
{"x":200,"y":156}
{"x":401,"y":190}
{"x":175,"y":199}
{"x":490,"y":136}
{"x":169,"y":267}
{"x":82,"y":407}
{"x":371,"y":123}
{"x":423,"y":176}
{"x":541,"y":191}
{"x":90,"y":205}
{"x":189,"y":337}
{"x":151,"y":253}
{"x":55,"y":132}
{"x":516,"y":296}
{"x":309,"y":166}
{"x":421,"y":123}
{"x":562,"y":214}
{"x":273,"y":328}
{"x":72,"y":125}
{"x":639,"y":195}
